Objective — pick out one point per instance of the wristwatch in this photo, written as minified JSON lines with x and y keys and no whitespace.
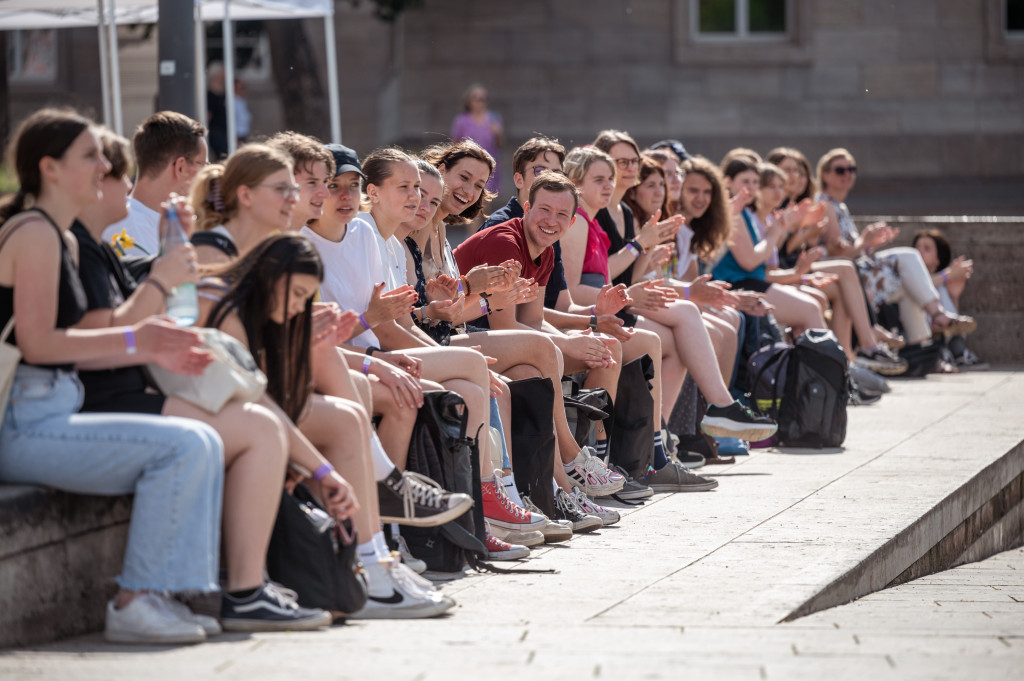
{"x":593,"y":322}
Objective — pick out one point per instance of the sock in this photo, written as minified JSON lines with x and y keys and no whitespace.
{"x":366,"y":551}
{"x":509,"y":481}
{"x":380,"y":545}
{"x":601,"y":448}
{"x":382,"y":465}
{"x":243,"y":594}
{"x":660,"y":458}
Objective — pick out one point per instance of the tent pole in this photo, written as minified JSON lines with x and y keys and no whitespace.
{"x":200,"y":62}
{"x":104,"y":65}
{"x":115,"y":71}
{"x":332,"y":76}
{"x":229,"y":76}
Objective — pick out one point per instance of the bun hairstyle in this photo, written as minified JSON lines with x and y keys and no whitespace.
{"x":214,"y":195}
{"x":47,"y":132}
{"x":446,"y":156}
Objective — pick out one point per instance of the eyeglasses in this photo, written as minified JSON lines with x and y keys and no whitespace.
{"x":287,"y":191}
{"x":537,"y":170}
{"x":624,"y":163}
{"x":842,"y":170}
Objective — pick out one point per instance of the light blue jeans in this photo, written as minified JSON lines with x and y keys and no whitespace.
{"x":496,"y":423}
{"x":173,"y":466}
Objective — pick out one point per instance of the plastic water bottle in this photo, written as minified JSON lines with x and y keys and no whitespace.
{"x":182,"y":303}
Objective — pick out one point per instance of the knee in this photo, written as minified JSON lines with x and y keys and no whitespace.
{"x":201,"y":445}
{"x":265,"y":427}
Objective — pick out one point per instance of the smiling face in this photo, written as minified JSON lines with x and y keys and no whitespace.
{"x":547,"y":219}
{"x":312,"y":181}
{"x":747,"y":178}
{"x":627,"y":163}
{"x":597,"y":186}
{"x":464,"y":182}
{"x":78,"y":174}
{"x":430,"y":200}
{"x":840,"y":175}
{"x":397,"y":197}
{"x":796,"y":176}
{"x":673,"y":178}
{"x":294,"y":292}
{"x":271,"y":203}
{"x":650,"y":194}
{"x":697,"y":193}
{"x":546,"y":160}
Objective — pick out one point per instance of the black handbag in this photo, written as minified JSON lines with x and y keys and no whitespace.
{"x":441,"y":450}
{"x":315,"y":556}
{"x":533,"y":440}
{"x":631,"y":428}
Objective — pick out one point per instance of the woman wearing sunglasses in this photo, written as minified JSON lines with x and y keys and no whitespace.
{"x":893,"y":275}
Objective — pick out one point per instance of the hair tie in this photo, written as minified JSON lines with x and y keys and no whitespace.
{"x":216,"y":196}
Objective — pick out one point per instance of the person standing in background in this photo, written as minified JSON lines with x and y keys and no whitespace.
{"x":482,"y":126}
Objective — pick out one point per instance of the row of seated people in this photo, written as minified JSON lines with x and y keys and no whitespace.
{"x":338,"y":277}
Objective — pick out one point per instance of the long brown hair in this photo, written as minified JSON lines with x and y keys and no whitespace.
{"x":448,"y":155}
{"x":648,"y":167}
{"x":281,"y":350}
{"x":780,"y":154}
{"x":47,"y":132}
{"x":712,"y":230}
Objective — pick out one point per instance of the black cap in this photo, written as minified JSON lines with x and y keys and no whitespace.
{"x":345,"y":160}
{"x":675,"y":146}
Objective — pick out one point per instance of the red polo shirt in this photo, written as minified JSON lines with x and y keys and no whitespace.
{"x":506,"y":241}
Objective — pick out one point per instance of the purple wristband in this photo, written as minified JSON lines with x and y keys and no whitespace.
{"x":322,"y":472}
{"x":686,"y":291}
{"x":367,"y":360}
{"x":945,"y":279}
{"x":592,"y":312}
{"x":363,"y":323}
{"x":129,"y":340}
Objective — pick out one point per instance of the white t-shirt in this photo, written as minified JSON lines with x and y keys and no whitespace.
{"x":392,"y":255}
{"x":142,"y":224}
{"x":684,"y":237}
{"x":351,"y":267}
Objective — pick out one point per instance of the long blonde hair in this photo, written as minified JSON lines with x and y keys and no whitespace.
{"x":214,"y":195}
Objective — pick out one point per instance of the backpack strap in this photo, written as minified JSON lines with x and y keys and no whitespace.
{"x":218,"y":241}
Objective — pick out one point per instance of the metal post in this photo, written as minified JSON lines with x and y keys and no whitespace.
{"x":104,"y":65}
{"x":115,"y":71}
{"x":177,"y":54}
{"x":200,"y":65}
{"x":228,"y":32}
{"x":332,"y":76}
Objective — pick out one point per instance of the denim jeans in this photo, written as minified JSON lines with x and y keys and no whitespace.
{"x":173,"y":466}
{"x":496,"y":423}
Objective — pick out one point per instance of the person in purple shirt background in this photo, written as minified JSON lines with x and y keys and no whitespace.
{"x":482,"y":126}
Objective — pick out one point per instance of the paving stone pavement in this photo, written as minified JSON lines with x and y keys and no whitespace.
{"x":693,"y":585}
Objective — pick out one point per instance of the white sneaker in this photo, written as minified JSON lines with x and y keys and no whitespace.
{"x":146,"y":619}
{"x":209,"y":624}
{"x":527,"y":538}
{"x":608,"y":516}
{"x":402,"y":599}
{"x":590,"y":474}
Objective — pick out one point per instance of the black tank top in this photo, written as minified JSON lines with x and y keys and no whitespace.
{"x":71,"y":300}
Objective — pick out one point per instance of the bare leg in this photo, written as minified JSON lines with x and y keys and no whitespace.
{"x":795,"y":309}
{"x":649,"y":343}
{"x":396,"y":422}
{"x":255,"y":456}
{"x":340,"y":430}
{"x":852,"y":294}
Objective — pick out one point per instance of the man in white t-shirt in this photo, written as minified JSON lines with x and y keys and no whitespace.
{"x":170,"y":149}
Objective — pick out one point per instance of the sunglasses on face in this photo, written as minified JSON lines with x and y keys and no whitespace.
{"x":842,"y":170}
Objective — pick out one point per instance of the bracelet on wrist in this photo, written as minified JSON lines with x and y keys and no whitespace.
{"x":363,"y":323}
{"x":367,"y":361}
{"x":686,"y":291}
{"x":372,"y":349}
{"x":592,"y":311}
{"x":945,"y":277}
{"x":465,"y":282}
{"x":485,"y":307}
{"x":638,"y":246}
{"x":632,"y":250}
{"x":593,"y":322}
{"x":323,"y":471}
{"x":130,"y":347}
{"x":159,"y":287}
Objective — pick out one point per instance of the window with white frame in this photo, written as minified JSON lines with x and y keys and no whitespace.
{"x":740,"y":19}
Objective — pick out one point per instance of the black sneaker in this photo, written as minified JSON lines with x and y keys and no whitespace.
{"x":738,"y":421}
{"x":632,"y":490}
{"x":412,"y":499}
{"x":881,"y":360}
{"x":269,"y":610}
{"x":690,"y":460}
{"x":566,"y":509}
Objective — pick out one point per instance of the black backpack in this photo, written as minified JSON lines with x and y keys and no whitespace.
{"x":810,"y":389}
{"x":441,"y":450}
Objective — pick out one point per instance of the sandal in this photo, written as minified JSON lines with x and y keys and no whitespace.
{"x":895,"y":341}
{"x":954,"y":324}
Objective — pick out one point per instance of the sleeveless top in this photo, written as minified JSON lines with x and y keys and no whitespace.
{"x":847,"y":228}
{"x":617,"y":242}
{"x":71,"y":300}
{"x":595,"y":261}
{"x":442,"y":331}
{"x":728,"y":269}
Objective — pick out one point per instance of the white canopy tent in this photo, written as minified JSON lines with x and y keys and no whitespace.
{"x":106,"y":14}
